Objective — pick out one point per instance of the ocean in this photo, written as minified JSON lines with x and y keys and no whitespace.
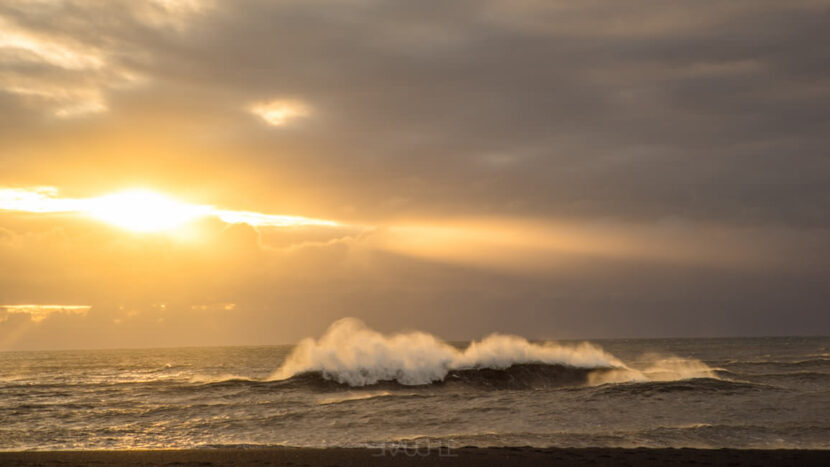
{"x":355,"y":387}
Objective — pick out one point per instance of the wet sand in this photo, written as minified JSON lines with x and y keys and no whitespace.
{"x":463,"y":456}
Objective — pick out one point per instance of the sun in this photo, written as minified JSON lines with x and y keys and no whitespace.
{"x":141,"y":210}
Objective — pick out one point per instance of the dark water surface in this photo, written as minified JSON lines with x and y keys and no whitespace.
{"x":744,"y":393}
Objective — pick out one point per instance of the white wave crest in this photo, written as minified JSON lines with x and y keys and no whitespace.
{"x":659,"y":368}
{"x":353,"y":354}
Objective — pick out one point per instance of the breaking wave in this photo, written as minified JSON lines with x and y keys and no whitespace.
{"x":352,"y":354}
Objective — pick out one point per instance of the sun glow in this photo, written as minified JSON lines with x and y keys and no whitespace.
{"x":140,"y":210}
{"x":143,"y":211}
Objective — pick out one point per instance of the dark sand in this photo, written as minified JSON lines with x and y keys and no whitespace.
{"x":464,"y":456}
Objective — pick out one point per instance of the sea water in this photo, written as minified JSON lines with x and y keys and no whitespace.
{"x":356,"y":387}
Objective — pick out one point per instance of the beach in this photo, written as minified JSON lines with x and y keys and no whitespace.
{"x":346,"y":457}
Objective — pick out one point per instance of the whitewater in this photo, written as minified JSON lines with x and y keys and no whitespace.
{"x":354,"y":386}
{"x":350,"y":353}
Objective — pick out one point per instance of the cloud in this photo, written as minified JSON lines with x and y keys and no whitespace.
{"x":268,"y":220}
{"x":69,"y":70}
{"x":280,"y":112}
{"x":557,"y":281}
{"x":35,"y":199}
{"x":64,"y":75}
{"x":26,"y":46}
{"x":527,"y":247}
{"x":595,"y":168}
{"x":140,"y":210}
{"x":174,"y":14}
{"x":214,"y":307}
{"x":38,"y":313}
{"x":698,"y":111}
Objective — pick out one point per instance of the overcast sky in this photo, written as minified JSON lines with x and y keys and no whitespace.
{"x":539,"y":167}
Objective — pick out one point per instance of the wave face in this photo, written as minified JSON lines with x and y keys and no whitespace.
{"x":518,"y":376}
{"x":350,"y":353}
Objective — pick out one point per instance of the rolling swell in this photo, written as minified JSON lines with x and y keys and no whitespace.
{"x":697,"y":385}
{"x":520,"y":376}
{"x":535,"y":376}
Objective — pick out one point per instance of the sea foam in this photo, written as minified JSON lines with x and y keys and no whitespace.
{"x":351,"y":353}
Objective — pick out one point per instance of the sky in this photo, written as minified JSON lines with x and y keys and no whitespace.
{"x":207,"y":172}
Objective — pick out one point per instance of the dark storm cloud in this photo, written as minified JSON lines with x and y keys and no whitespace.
{"x":453,"y":108}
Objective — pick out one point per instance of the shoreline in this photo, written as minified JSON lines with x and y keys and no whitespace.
{"x":468,"y":456}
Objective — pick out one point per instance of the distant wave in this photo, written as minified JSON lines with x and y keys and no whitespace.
{"x":224,"y":378}
{"x":810,"y":362}
{"x":351,"y":354}
{"x":711,"y":385}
